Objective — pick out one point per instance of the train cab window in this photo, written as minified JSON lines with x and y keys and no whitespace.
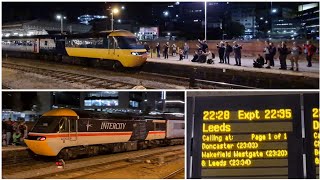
{"x":128,"y":43}
{"x":64,"y":125}
{"x":111,"y":42}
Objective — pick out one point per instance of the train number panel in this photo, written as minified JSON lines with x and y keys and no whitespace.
{"x":247,"y":137}
{"x":311,"y":114}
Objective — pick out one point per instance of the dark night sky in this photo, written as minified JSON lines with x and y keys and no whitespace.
{"x":20,"y":11}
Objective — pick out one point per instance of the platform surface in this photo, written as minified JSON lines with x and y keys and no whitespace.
{"x":246,"y":65}
{"x":13,"y":148}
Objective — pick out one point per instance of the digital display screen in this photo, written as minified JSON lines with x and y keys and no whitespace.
{"x":311,"y":106}
{"x":316,"y":136}
{"x":247,"y":137}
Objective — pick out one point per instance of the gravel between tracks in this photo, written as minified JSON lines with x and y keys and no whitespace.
{"x":82,"y":163}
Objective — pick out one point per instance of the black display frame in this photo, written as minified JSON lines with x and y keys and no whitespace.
{"x":309,"y":101}
{"x":250,"y":102}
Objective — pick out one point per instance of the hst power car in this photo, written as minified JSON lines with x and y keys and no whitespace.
{"x":67,"y":133}
{"x":119,"y":47}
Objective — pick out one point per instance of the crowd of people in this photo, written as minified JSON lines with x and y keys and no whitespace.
{"x":13,"y":132}
{"x":295,"y":51}
{"x":203,"y":55}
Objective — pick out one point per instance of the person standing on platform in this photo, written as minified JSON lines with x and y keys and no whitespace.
{"x":180,"y":55}
{"x":23,"y":128}
{"x":9,"y":130}
{"x":283,"y":51}
{"x":237,"y":53}
{"x":267,"y":55}
{"x":273,"y":51}
{"x":158,"y":50}
{"x":227,"y":52}
{"x":221,"y":49}
{"x":166,"y":50}
{"x":295,"y":52}
{"x":186,"y":51}
{"x":174,"y":50}
{"x":147,"y":47}
{"x":309,"y":50}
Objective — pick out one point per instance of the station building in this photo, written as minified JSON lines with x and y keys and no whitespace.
{"x":41,"y":27}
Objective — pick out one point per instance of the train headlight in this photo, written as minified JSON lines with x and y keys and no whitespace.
{"x":41,"y":138}
{"x":135,"y":53}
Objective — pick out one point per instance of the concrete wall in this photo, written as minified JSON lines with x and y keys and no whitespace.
{"x":249,"y":48}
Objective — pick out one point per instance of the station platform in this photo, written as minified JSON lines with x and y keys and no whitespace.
{"x":246,"y":65}
{"x":14,"y":151}
{"x":306,"y":77}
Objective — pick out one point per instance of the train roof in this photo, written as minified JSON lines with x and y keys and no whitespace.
{"x":83,"y":114}
{"x":81,"y":35}
{"x":166,"y":116}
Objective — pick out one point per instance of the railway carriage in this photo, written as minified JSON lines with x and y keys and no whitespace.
{"x":119,"y":48}
{"x":67,"y":133}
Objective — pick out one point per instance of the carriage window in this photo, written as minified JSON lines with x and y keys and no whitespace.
{"x":159,"y":126}
{"x":73,"y":125}
{"x":178,"y":126}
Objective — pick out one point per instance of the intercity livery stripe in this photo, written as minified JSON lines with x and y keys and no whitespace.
{"x":82,"y":134}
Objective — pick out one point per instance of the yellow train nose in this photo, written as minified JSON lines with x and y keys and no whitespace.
{"x":40,"y":147}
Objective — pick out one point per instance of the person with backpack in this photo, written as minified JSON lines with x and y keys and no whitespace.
{"x":227,"y":52}
{"x":295,"y":52}
{"x":309,"y":49}
{"x":283,"y":51}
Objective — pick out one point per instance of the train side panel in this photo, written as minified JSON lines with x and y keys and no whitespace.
{"x":175,"y":129}
{"x":124,"y":56}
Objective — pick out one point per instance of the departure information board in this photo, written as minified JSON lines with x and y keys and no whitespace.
{"x":311,"y":114}
{"x":247,"y":137}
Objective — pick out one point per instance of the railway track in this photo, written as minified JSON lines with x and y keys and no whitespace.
{"x":93,"y":81}
{"x":194,"y":83}
{"x":97,"y":82}
{"x":83,"y":173}
{"x":178,"y":174}
{"x":80,"y":168}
